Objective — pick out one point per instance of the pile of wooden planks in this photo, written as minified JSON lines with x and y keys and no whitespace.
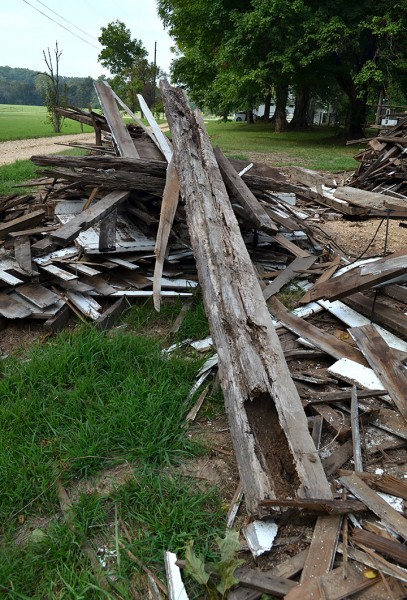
{"x":307,"y":392}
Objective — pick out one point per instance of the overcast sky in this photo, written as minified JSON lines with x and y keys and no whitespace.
{"x":25,"y":32}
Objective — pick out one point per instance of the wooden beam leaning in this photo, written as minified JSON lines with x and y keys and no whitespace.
{"x":120,"y":134}
{"x":237,"y":187}
{"x":252,"y":368}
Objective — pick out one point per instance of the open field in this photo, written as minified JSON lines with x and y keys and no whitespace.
{"x":23,"y":122}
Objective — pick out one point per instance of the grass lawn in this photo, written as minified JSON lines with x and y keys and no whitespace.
{"x":318,"y":149}
{"x":87,"y":402}
{"x":24,"y":122}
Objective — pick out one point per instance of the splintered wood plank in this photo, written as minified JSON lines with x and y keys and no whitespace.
{"x":353,"y":280}
{"x":21,"y":223}
{"x":252,"y":369}
{"x":111,"y":111}
{"x":390,"y":371}
{"x":376,"y":504}
{"x":268,"y":584}
{"x":338,"y":458}
{"x":325,"y":341}
{"x":37,"y":294}
{"x":12,"y":309}
{"x":323,"y":547}
{"x":168,"y":209}
{"x":238,"y":188}
{"x":108,"y":318}
{"x":362,"y":198}
{"x":162,"y":141}
{"x":22,"y":253}
{"x":294,"y":268}
{"x":333,"y":585}
{"x":84,"y":220}
{"x":390,"y":548}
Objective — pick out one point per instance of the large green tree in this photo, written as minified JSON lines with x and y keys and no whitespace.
{"x":126,"y":59}
{"x":240,"y":50}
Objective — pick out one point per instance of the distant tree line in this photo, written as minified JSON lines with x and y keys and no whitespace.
{"x":24,"y":86}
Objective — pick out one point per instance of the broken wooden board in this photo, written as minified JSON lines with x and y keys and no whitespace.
{"x":353,"y":280}
{"x":326,"y":342}
{"x":391,"y":373}
{"x":322,"y":548}
{"x":168,"y":209}
{"x":20,"y":223}
{"x":379,"y":312}
{"x":362,"y":198}
{"x":37,"y":294}
{"x":238,"y":189}
{"x":333,"y":585}
{"x":376,"y":504}
{"x":252,"y":369}
{"x":84,"y":220}
{"x":12,"y":309}
{"x":119,"y":132}
{"x":293,"y":270}
{"x":22,"y":253}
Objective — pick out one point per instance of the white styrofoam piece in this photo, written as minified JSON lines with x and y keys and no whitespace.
{"x":260,"y":536}
{"x":394,"y":501}
{"x":203,"y":345}
{"x":354,"y":373}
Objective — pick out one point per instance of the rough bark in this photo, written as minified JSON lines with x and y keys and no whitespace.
{"x":300,"y":118}
{"x":281,"y":103}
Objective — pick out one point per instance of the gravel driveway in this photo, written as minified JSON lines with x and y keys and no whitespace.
{"x":25,"y":149}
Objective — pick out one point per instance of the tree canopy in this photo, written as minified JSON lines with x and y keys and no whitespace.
{"x":127,"y":61}
{"x":234,"y":54}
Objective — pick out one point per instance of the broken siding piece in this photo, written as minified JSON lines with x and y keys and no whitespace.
{"x":252,"y":368}
{"x":392,"y":374}
{"x":355,"y":373}
{"x":161,"y":139}
{"x":176,"y":588}
{"x":293,"y":270}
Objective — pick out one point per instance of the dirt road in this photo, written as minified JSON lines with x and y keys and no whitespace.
{"x":25,"y":149}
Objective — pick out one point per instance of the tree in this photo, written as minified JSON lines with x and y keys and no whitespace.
{"x":273,"y":44}
{"x":126,"y":59}
{"x":53,"y":89}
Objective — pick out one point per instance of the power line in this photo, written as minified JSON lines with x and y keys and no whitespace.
{"x":63,"y":18}
{"x":60,"y":25}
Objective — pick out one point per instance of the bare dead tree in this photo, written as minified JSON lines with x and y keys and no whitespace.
{"x":54,"y":89}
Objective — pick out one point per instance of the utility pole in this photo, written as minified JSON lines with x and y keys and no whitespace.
{"x":155,"y":71}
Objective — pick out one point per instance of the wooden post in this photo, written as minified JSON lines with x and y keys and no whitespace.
{"x":269,"y":428}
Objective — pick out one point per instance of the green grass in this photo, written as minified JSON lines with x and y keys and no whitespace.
{"x":317,"y":149}
{"x":24,"y":170}
{"x":69,"y":409}
{"x":25,"y":122}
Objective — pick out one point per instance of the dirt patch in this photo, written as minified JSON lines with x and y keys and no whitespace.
{"x":25,"y":149}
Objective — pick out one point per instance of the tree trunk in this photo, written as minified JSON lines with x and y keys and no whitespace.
{"x":267,"y":104}
{"x":250,"y":118}
{"x":356,"y":114}
{"x":261,"y":400}
{"x":300,"y":118}
{"x":281,"y":104}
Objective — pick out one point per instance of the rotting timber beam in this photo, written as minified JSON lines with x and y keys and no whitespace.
{"x":262,"y":402}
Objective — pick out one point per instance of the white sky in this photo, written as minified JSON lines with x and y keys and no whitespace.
{"x":25,"y":33}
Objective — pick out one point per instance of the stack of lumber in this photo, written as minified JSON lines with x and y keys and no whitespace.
{"x":383,"y":165}
{"x":307,"y":393}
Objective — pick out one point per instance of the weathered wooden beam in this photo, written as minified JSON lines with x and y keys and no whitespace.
{"x":238,"y":188}
{"x":253,"y":372}
{"x":120,"y":134}
{"x":21,"y":223}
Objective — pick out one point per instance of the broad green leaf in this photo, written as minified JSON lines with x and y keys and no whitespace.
{"x":195,"y":567}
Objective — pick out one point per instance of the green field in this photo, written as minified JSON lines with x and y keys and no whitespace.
{"x":23,"y":122}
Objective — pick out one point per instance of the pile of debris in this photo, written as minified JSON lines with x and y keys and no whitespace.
{"x":303,"y":398}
